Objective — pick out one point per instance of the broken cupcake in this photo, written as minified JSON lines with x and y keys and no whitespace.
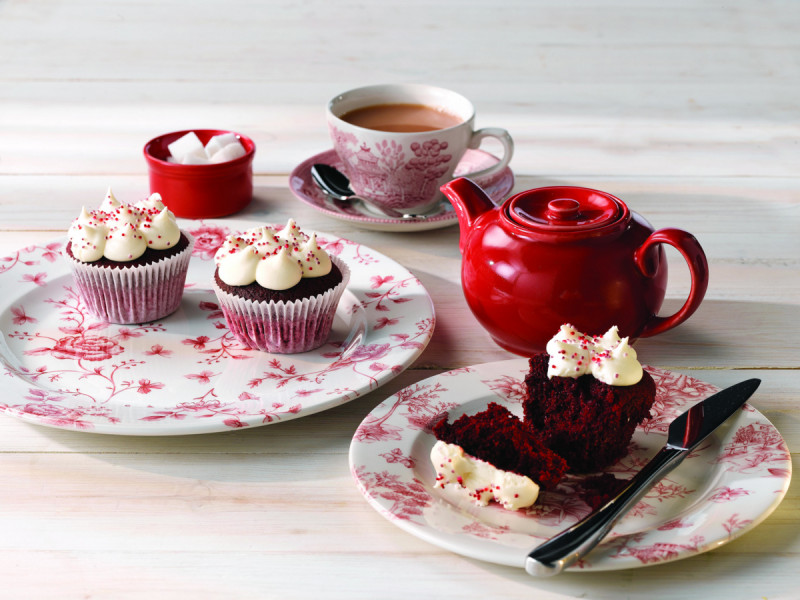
{"x":584,"y":398}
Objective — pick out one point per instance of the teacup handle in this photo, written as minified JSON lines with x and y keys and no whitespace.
{"x":690,"y":248}
{"x":508,"y":150}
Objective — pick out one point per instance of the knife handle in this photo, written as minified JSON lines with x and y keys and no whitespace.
{"x":569,"y":546}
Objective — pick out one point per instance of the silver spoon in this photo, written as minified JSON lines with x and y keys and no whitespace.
{"x":336,"y":185}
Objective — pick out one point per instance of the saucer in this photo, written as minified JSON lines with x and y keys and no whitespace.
{"x":497,"y":186}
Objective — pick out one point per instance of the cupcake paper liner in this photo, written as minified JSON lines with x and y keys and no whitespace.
{"x":134,"y":294}
{"x":283,"y":327}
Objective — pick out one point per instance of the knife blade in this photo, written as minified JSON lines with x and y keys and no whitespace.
{"x":685,"y":433}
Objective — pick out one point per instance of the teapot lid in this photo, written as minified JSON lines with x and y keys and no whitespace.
{"x":568,"y":210}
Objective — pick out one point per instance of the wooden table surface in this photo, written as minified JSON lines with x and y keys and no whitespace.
{"x":689,"y":111}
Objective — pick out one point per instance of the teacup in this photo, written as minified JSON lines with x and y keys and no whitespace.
{"x":401,"y":142}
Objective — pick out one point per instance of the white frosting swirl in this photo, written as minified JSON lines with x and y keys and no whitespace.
{"x":481,"y":480}
{"x":276,"y":260}
{"x":610,"y":359}
{"x":123,"y":232}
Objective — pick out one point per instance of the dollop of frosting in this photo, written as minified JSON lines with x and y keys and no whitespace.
{"x":481,"y":480}
{"x":276,"y":260}
{"x":608,"y":358}
{"x":123,"y":232}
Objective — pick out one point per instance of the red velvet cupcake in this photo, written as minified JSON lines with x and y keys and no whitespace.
{"x":129,"y":262}
{"x":278,"y":290}
{"x":585,"y":397}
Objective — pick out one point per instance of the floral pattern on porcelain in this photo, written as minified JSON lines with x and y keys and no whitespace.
{"x":380,"y":170}
{"x":186,"y":373}
{"x":724,"y":488}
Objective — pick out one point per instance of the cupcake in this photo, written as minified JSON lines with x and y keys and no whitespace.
{"x":129,"y":261}
{"x":278,"y":290}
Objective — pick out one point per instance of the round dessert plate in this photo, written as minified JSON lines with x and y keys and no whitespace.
{"x":726,"y":487}
{"x":186,"y":373}
{"x":497,"y":186}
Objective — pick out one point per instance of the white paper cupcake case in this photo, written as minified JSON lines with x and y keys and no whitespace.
{"x":133,"y":294}
{"x":283,"y":327}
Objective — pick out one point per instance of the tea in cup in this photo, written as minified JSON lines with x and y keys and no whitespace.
{"x":400,"y":142}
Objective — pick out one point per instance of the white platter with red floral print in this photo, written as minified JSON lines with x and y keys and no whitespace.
{"x":186,"y":374}
{"x":731,"y":483}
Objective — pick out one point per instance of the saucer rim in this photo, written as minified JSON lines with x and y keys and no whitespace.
{"x":300,"y":176}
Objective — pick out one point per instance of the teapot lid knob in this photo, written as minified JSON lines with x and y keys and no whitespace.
{"x":563,"y":209}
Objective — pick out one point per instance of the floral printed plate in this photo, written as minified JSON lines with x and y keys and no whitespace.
{"x":731,"y":483}
{"x":497,"y":186}
{"x":186,"y":374}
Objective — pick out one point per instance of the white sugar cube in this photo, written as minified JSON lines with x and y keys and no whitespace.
{"x":229,"y":152}
{"x":226,"y":138}
{"x":213,"y":146}
{"x":218,"y":142}
{"x":188,"y":145}
{"x":194,"y":159}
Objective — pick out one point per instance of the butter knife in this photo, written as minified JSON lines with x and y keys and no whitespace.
{"x":685,"y":433}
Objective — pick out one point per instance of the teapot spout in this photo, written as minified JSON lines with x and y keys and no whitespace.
{"x":469,"y":202}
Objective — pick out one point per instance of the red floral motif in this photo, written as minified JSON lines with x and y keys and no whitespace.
{"x":47,"y":407}
{"x":207,"y":240}
{"x":559,"y":508}
{"x":202,"y":377}
{"x":363,"y":360}
{"x":82,"y":347}
{"x":661,"y":551}
{"x":213,"y":308}
{"x":726,"y":494}
{"x":409,"y":498}
{"x":734,"y":523}
{"x":393,"y":294}
{"x":676,"y":524}
{"x":668,"y":490}
{"x":753,"y":445}
{"x":418,"y":404}
{"x":484,"y":531}
{"x":219,"y":348}
{"x":146,"y":386}
{"x":641,"y":509}
{"x":20,"y":317}
{"x":337,"y":248}
{"x":511,"y":389}
{"x":397,"y":456}
{"x":50,"y":253}
{"x":674,"y":393}
{"x":38,"y":278}
{"x":157,"y":350}
{"x":385,"y":322}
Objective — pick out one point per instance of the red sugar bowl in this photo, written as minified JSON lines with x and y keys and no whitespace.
{"x":201,"y":191}
{"x":566,"y":254}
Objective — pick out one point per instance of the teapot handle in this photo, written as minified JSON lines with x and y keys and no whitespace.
{"x":689,"y":247}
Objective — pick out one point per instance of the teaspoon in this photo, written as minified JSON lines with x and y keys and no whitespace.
{"x":336,"y":185}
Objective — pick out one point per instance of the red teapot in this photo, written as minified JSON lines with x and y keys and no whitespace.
{"x":564,"y":254}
